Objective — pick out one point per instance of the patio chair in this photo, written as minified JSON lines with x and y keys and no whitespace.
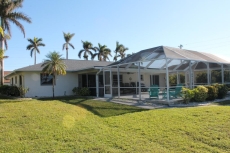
{"x":154,"y":91}
{"x":176,"y":92}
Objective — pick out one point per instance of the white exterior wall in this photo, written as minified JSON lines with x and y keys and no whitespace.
{"x":64,"y":84}
{"x":146,"y":78}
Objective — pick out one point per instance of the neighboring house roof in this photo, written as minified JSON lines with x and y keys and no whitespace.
{"x":162,"y":52}
{"x":5,"y":74}
{"x":71,"y":65}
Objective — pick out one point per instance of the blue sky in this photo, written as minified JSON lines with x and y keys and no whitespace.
{"x":197,"y":25}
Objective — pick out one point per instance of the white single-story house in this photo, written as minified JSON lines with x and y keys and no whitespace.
{"x":126,"y":76}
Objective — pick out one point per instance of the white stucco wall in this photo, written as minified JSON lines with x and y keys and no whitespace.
{"x":64,"y":84}
{"x":146,"y":78}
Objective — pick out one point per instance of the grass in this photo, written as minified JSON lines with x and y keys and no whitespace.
{"x":81,"y":125}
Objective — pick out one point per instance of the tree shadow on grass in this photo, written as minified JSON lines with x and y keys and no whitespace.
{"x":223,"y":103}
{"x":99,"y":108}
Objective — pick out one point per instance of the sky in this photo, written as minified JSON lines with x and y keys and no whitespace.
{"x":197,"y":25}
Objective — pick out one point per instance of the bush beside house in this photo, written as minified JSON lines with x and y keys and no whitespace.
{"x":202,"y":93}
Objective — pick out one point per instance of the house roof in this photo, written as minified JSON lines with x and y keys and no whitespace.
{"x":162,"y":52}
{"x":71,"y":65}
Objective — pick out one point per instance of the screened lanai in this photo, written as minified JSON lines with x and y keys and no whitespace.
{"x":166,"y":67}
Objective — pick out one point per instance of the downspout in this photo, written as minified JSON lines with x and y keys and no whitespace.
{"x":97,"y":82}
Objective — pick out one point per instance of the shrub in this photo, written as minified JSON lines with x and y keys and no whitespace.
{"x":81,"y":91}
{"x":13,"y":91}
{"x":4,"y":89}
{"x":201,"y":94}
{"x":222,"y":90}
{"x":212,"y":92}
{"x":22,"y":91}
{"x":187,"y":95}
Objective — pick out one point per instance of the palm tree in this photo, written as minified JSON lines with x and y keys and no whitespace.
{"x":2,"y":57}
{"x":102,"y":53}
{"x":1,"y":32}
{"x":8,"y":14}
{"x":87,"y":47}
{"x":67,"y":37}
{"x":119,"y":51}
{"x":54,"y":65}
{"x":33,"y":46}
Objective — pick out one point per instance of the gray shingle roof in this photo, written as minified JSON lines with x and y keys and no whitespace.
{"x":72,"y":65}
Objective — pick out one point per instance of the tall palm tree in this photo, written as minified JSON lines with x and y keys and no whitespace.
{"x":119,"y":51}
{"x":1,"y":32}
{"x":102,"y":53}
{"x":33,"y":46}
{"x":9,"y":14}
{"x":2,"y":57}
{"x":87,"y":47}
{"x":122,"y":51}
{"x":67,"y":37}
{"x":54,"y":65}
{"x":106,"y":54}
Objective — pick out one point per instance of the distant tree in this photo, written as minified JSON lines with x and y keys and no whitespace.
{"x":2,"y":57}
{"x":33,"y":46}
{"x":87,"y":47}
{"x":102,"y":52}
{"x":54,"y":65}
{"x":180,"y":46}
{"x":67,"y":37}
{"x":119,"y":51}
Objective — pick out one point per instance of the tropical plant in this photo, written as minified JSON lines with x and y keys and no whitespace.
{"x":81,"y":91}
{"x":1,"y":32}
{"x":33,"y":46}
{"x":54,"y":65}
{"x":67,"y":37}
{"x":87,"y":47}
{"x":201,"y":93}
{"x":119,"y":51}
{"x":2,"y":57}
{"x":102,"y":53}
{"x":212,"y":92}
{"x":187,"y":95}
{"x":23,"y":91}
{"x":9,"y":14}
{"x":222,"y":90}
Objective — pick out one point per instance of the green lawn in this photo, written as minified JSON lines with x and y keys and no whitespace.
{"x":80,"y":125}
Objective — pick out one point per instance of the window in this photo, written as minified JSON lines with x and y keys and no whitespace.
{"x":12,"y":81}
{"x":154,"y":79}
{"x":142,"y":78}
{"x":46,"y":79}
{"x":20,"y":80}
{"x":16,"y":79}
{"x":115,"y":79}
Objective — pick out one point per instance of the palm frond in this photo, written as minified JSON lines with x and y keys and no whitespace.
{"x":80,"y":52}
{"x":31,"y":52}
{"x":63,"y":47}
{"x":94,"y":55}
{"x":71,"y":45}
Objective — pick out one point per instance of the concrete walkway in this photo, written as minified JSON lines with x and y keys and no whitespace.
{"x":156,"y":104}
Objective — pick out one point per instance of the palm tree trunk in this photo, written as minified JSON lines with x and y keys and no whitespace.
{"x":66,"y":53}
{"x":34,"y":57}
{"x":53,"y":84}
{"x":2,"y":73}
{"x":2,"y":63}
